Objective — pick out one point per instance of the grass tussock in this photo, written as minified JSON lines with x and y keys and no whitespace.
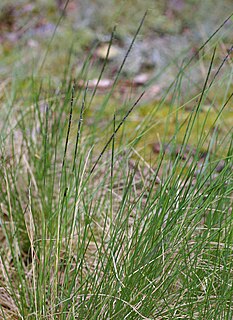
{"x":118,"y":234}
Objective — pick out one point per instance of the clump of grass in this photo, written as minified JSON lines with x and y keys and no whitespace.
{"x":94,"y":234}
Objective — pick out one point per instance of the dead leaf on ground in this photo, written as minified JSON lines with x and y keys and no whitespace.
{"x":141,"y":79}
{"x":102,"y":51}
{"x":101,"y":84}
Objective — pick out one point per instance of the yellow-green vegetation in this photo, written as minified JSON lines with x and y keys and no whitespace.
{"x":116,"y":194}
